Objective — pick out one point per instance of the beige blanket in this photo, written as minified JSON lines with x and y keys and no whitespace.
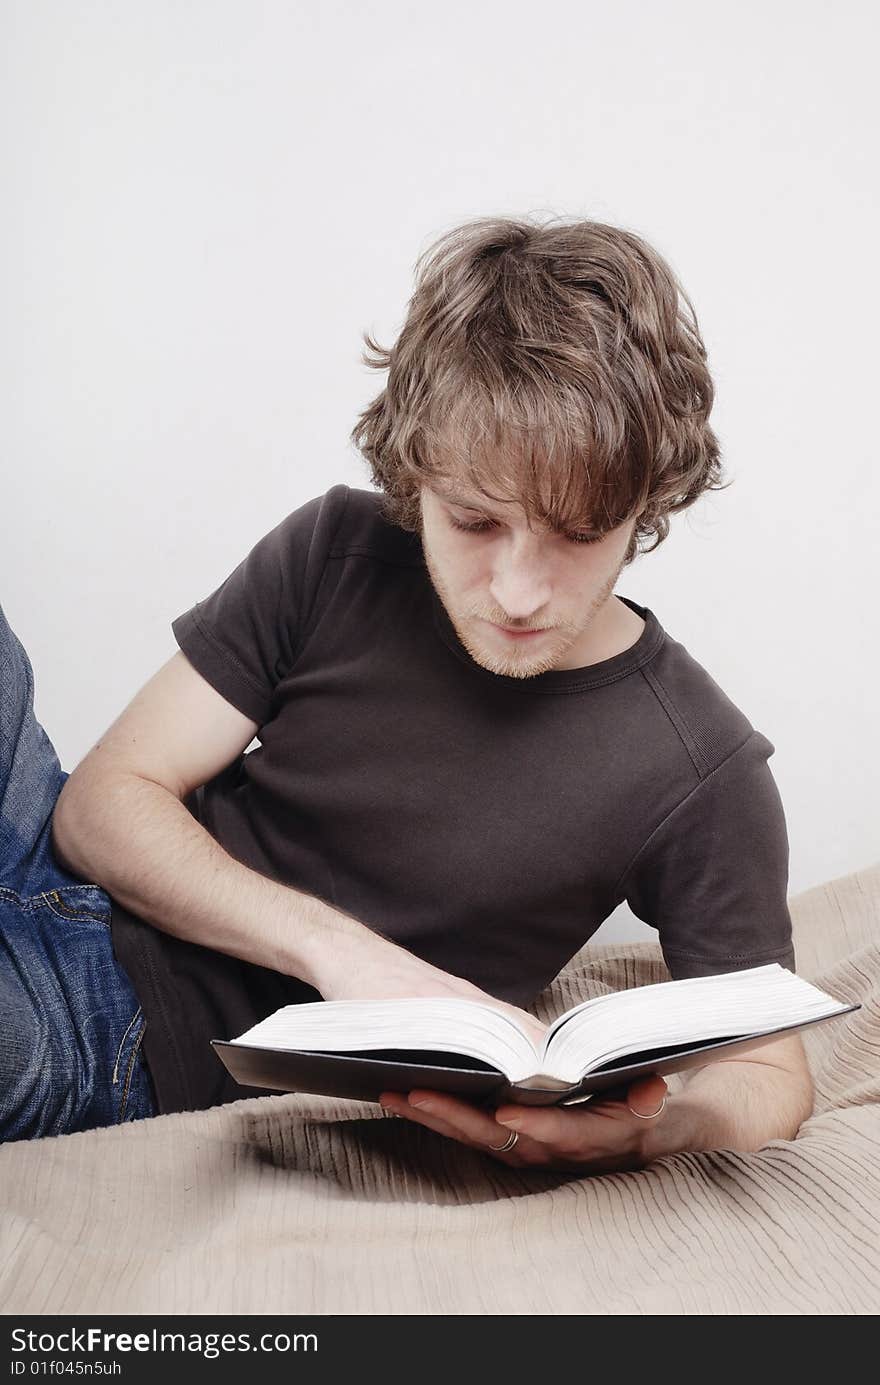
{"x":293,"y":1204}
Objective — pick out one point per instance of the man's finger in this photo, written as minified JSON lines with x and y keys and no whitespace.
{"x":646,"y":1097}
{"x":563,"y":1128}
{"x":448,"y":1116}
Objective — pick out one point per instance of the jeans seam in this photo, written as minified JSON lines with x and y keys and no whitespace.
{"x":37,"y":901}
{"x":137,"y":1043}
{"x":122,"y":1044}
{"x":63,"y":910}
{"x":44,"y":900}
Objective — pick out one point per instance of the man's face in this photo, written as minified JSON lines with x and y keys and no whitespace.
{"x":510,"y":572}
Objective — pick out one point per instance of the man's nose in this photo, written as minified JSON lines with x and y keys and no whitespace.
{"x":520,"y":583}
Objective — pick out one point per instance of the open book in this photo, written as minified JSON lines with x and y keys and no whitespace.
{"x":359,"y":1048}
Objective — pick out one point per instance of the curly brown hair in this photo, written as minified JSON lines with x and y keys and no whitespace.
{"x":560,"y":365}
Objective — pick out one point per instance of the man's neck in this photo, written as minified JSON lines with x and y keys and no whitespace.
{"x":612,"y":630}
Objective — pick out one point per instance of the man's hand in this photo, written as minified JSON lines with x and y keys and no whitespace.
{"x":602,"y":1137}
{"x":741,"y":1103}
{"x":376,"y":969}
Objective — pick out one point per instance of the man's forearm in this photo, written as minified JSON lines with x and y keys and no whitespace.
{"x":732,"y":1105}
{"x":143,"y":846}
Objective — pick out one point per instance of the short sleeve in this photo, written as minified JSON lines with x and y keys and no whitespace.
{"x":713,"y":876}
{"x":245,"y":636}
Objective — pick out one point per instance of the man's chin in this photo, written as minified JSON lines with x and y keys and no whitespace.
{"x":507,"y":670}
{"x":521,"y":665}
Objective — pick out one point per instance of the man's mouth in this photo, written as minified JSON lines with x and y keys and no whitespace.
{"x":519,"y":634}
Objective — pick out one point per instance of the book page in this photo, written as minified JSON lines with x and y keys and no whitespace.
{"x":470,"y":1028}
{"x":674,"y":1013}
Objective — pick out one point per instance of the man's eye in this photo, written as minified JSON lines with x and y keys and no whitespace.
{"x":482,"y":525}
{"x":476,"y":528}
{"x":584,"y":538}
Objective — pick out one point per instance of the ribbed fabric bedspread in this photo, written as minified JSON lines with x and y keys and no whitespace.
{"x":294,"y":1204}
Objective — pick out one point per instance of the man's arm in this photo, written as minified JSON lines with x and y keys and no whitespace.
{"x":120,"y":822}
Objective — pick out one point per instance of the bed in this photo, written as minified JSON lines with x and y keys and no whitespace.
{"x":303,"y":1204}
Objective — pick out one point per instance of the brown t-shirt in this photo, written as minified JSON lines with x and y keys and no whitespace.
{"x":487,"y":823}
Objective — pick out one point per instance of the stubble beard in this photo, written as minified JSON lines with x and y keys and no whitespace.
{"x":518,"y":661}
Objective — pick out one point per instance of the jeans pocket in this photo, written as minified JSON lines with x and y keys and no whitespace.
{"x":71,"y":1027}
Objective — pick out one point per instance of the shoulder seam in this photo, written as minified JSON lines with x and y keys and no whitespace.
{"x":360,"y":551}
{"x":688,"y":796}
{"x":699,"y":761}
{"x":307,"y":625}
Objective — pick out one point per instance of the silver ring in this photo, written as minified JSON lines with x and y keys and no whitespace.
{"x":508,"y":1143}
{"x":652,"y":1116}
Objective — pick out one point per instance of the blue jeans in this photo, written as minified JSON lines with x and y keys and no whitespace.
{"x":71,"y":1027}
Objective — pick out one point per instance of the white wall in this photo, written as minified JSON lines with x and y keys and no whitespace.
{"x":206,"y":203}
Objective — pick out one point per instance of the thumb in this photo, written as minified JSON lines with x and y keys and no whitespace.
{"x":646,"y":1096}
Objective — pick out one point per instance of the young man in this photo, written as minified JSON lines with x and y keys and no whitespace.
{"x":470,"y":749}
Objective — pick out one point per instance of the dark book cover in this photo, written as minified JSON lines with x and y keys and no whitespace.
{"x":364,"y":1075}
